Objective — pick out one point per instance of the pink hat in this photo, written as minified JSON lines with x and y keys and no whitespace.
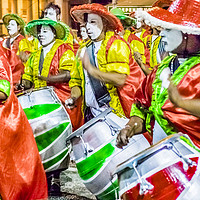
{"x":183,"y":15}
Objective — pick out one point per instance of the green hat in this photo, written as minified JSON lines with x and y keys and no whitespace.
{"x":31,"y":27}
{"x":120,"y":14}
{"x":6,"y":18}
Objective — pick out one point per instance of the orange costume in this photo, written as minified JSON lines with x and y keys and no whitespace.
{"x":21,"y":171}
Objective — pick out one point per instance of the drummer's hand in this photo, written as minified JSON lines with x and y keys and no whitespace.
{"x":86,"y":62}
{"x":70,"y":103}
{"x":173,"y":94}
{"x":133,"y":127}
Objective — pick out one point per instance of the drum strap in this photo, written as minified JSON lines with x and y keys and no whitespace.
{"x":41,"y":61}
{"x":100,"y":91}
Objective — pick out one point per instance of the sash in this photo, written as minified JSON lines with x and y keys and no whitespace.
{"x":100,"y":91}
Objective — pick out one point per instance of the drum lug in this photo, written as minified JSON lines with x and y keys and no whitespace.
{"x":187,"y":162}
{"x":145,"y":186}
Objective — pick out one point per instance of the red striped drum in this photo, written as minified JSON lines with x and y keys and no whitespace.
{"x":50,"y":124}
{"x":96,"y":155}
{"x":170,"y":169}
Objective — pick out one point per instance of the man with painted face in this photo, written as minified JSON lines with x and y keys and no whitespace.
{"x":152,"y":100}
{"x":101,"y":72}
{"x":51,"y":66}
{"x":15,"y":27}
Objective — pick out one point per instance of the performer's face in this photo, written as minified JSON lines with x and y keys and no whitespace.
{"x":13,"y":28}
{"x":83,"y":33}
{"x":94,"y":26}
{"x":51,"y":14}
{"x":46,"y":35}
{"x":172,"y":39}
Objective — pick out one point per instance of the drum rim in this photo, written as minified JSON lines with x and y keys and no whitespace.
{"x":149,"y":150}
{"x":80,"y":130}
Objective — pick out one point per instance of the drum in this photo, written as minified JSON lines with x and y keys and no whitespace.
{"x":50,"y":124}
{"x":96,"y":155}
{"x":169,"y":169}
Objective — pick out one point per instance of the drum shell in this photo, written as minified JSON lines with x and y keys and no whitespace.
{"x":50,"y":122}
{"x":97,"y":166}
{"x":164,"y":171}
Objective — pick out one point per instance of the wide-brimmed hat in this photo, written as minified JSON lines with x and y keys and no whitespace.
{"x":119,"y":13}
{"x":162,"y":3}
{"x":6,"y":18}
{"x":182,"y":15}
{"x":77,"y":13}
{"x":60,"y":29}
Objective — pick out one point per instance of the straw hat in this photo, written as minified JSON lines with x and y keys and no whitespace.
{"x":59,"y":27}
{"x":77,"y":13}
{"x":6,"y":18}
{"x":182,"y":15}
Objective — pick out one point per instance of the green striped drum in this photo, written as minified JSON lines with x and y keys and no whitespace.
{"x":96,"y":155}
{"x":51,"y":125}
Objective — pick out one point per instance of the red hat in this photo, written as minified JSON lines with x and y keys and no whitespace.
{"x":77,"y":13}
{"x":182,"y":15}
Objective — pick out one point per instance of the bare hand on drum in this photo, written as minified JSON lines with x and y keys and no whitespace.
{"x":134,"y":126}
{"x":70,"y":103}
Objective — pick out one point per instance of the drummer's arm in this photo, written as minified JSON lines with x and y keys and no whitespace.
{"x":62,"y":77}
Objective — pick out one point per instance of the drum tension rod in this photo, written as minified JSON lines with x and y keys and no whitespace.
{"x":187,"y":162}
{"x":145,"y":186}
{"x":86,"y":149}
{"x":29,"y":98}
{"x":114,"y":130}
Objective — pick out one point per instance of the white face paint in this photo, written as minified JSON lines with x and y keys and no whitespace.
{"x":94,"y":26}
{"x":171,"y":38}
{"x":46,"y":36}
{"x":84,"y":34}
{"x":51,"y":14}
{"x":12,"y":27}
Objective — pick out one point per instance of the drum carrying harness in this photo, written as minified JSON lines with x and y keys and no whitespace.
{"x":100,"y":91}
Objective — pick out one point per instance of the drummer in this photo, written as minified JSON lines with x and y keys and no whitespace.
{"x":102,"y":70}
{"x":152,"y":102}
{"x":50,"y":66}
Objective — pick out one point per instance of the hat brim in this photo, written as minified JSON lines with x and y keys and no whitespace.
{"x":6,"y":18}
{"x":77,"y":13}
{"x":163,"y":18}
{"x":60,"y":29}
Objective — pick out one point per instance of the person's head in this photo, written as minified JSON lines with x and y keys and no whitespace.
{"x":83,"y":32}
{"x":46,"y":30}
{"x":14,"y":24}
{"x":13,"y":28}
{"x":182,"y":29}
{"x":126,"y":20}
{"x":95,"y":26}
{"x":46,"y":34}
{"x":177,"y":42}
{"x":97,"y":19}
{"x":52,"y":11}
